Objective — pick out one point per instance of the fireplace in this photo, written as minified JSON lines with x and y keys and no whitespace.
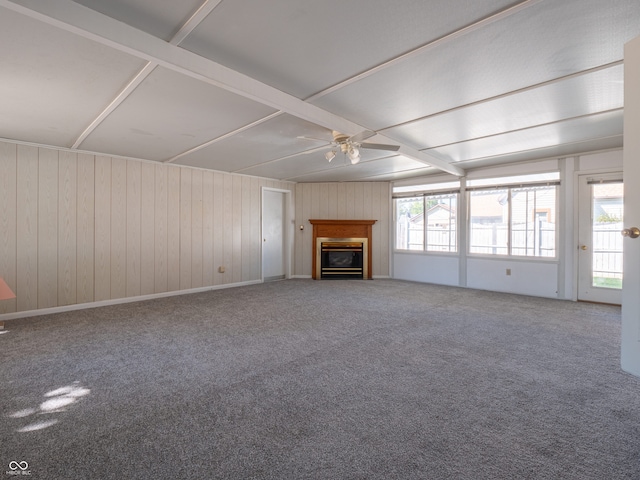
{"x":341,"y":249}
{"x":342,"y":258}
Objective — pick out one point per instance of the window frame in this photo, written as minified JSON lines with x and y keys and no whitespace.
{"x":425,"y":195}
{"x":509,"y":221}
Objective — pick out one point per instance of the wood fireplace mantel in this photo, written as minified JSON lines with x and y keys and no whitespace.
{"x":341,"y":229}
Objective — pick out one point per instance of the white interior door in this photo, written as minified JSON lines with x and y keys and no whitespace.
{"x":274,"y":265}
{"x":630,"y":359}
{"x":600,"y":259}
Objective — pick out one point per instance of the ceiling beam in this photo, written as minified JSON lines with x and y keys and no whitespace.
{"x":507,"y":12}
{"x":77,"y":19}
{"x":115,"y":103}
{"x":190,"y":25}
{"x":533,"y":127}
{"x":200,"y":14}
{"x":511,"y":93}
{"x":223,"y":137}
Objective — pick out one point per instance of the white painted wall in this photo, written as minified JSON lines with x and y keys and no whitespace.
{"x":78,"y":229}
{"x":528,"y":278}
{"x":440,"y":269}
{"x":599,"y":162}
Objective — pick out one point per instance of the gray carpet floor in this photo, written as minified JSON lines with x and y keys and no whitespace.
{"x":303,"y":379}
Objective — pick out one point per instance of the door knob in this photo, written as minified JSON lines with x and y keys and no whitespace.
{"x":583,"y":247}
{"x":633,"y":232}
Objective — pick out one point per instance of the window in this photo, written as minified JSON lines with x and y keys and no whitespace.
{"x":489,"y":222}
{"x":427,"y":222}
{"x":533,"y":231}
{"x":510,"y":216}
{"x":513,"y":220}
{"x":409,"y":223}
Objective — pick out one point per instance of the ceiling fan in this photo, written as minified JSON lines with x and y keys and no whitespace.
{"x":350,"y":146}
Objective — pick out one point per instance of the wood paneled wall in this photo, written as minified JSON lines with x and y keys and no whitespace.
{"x":78,"y":228}
{"x":343,"y":201}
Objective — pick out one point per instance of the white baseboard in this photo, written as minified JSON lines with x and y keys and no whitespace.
{"x":309,"y":276}
{"x":117,"y":301}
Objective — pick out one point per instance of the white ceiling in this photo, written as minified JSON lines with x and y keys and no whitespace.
{"x":231,"y":85}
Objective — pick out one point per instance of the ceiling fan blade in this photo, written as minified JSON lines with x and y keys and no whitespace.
{"x":359,"y":137}
{"x":380,"y":146}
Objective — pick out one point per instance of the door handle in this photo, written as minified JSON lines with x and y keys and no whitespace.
{"x":633,"y":232}
{"x":583,"y":247}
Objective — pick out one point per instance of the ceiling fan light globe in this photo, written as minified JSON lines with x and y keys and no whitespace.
{"x":354,"y":155}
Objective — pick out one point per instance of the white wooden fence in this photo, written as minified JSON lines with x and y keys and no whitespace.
{"x":607,"y":250}
{"x":538,"y":240}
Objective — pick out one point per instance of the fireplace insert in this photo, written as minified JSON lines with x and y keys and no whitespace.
{"x":341,"y":259}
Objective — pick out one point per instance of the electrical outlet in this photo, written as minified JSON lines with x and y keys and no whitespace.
{"x":508,"y":271}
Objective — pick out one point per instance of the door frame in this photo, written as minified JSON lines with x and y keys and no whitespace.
{"x":288,"y":230}
{"x":582,"y":180}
